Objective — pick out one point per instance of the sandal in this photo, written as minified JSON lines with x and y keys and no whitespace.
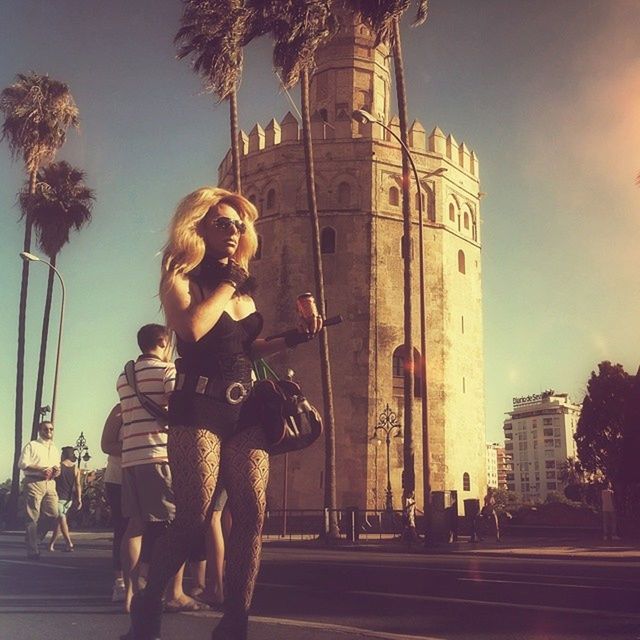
{"x":188,"y":607}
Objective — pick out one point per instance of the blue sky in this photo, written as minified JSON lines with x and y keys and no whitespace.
{"x":546,"y":93}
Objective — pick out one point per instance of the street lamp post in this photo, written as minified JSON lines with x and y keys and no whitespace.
{"x":33,"y":258}
{"x":388,"y":424}
{"x":82,"y":449}
{"x":362,"y":116}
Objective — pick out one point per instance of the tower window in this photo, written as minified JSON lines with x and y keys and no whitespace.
{"x":420,"y":201}
{"x":462,"y":323}
{"x":271,"y":198}
{"x":431,"y":204}
{"x":397,"y":366}
{"x":394,"y":196}
{"x":328,"y":240}
{"x":466,"y":220}
{"x":344,"y":194}
{"x":461,"y":262}
{"x":452,"y":212}
{"x":466,"y":482}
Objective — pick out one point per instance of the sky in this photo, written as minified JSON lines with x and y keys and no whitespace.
{"x":546,"y":92}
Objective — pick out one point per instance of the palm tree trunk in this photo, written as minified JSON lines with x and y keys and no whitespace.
{"x":12,"y":507}
{"x":330,"y":493}
{"x":408,"y":471}
{"x":235,"y":147}
{"x":43,"y":352}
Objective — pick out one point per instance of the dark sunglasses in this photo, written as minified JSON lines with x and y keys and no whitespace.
{"x":225,"y":224}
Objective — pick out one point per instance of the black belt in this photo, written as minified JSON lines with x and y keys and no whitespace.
{"x":231,"y":392}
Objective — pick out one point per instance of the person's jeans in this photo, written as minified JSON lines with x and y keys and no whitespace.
{"x":39,"y":497}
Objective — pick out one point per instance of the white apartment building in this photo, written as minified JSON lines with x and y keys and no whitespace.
{"x":492,"y":464}
{"x":538,"y":440}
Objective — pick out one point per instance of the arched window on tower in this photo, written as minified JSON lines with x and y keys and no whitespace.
{"x":431,"y":203}
{"x":419,"y":200}
{"x":466,"y":220}
{"x":474,"y":229}
{"x":394,"y":196}
{"x":344,"y":194}
{"x":452,"y":212}
{"x":462,"y":267}
{"x":466,"y":482}
{"x":397,"y":369}
{"x":271,"y":199}
{"x":328,"y":240}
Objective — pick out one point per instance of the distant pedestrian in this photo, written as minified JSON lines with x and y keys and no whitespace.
{"x":40,"y":462}
{"x":489,"y":514}
{"x":69,"y":495}
{"x":112,"y":446}
{"x":609,"y":529}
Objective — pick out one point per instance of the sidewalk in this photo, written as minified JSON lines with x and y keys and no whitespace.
{"x":565,"y":548}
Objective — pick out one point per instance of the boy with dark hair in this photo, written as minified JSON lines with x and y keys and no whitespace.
{"x":147,"y":498}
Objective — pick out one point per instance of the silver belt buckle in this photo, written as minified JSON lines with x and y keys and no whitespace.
{"x":201,"y":384}
{"x":233,"y":387}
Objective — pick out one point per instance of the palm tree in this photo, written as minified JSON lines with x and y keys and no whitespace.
{"x":37,"y":114}
{"x":61,"y":202}
{"x":212,"y":35}
{"x":298,"y":28}
{"x":383,"y":17}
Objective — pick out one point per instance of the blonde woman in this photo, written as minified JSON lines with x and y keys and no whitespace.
{"x":205,"y":292}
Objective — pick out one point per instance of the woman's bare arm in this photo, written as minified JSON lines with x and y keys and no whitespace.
{"x":110,"y":442}
{"x":189,"y":317}
{"x":262,"y":348}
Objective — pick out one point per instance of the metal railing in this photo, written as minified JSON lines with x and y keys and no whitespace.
{"x":353,"y":523}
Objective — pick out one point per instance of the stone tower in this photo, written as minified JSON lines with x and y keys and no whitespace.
{"x":358,"y":171}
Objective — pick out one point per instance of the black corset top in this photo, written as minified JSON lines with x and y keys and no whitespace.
{"x":223,"y":352}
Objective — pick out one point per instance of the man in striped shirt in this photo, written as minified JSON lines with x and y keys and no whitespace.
{"x":147,"y":499}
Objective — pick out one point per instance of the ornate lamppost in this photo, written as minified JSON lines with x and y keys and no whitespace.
{"x":388,"y":423}
{"x":82,"y":449}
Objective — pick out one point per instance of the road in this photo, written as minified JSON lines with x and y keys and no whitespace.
{"x":313,"y":593}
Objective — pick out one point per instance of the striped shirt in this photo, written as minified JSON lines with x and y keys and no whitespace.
{"x":144,"y":438}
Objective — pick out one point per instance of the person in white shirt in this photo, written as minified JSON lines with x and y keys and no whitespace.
{"x":608,"y":513}
{"x":40,"y":463}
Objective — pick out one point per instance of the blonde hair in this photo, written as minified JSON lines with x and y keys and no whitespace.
{"x":185,"y":247}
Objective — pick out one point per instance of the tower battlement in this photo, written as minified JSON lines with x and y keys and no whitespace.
{"x":288,"y":131}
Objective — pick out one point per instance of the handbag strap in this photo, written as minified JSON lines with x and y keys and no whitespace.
{"x":263,"y":371}
{"x":151,"y":406}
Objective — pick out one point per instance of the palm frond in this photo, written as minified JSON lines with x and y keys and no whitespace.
{"x":299,"y":27}
{"x":37,"y":114}
{"x":212,"y":35}
{"x":61,"y":202}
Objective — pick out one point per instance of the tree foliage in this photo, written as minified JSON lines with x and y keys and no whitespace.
{"x":37,"y":113}
{"x":607,"y":432}
{"x":61,"y":202}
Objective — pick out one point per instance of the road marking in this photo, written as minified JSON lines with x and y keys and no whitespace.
{"x":323,"y":626}
{"x":547,"y":584}
{"x":39,"y":563}
{"x":467,"y":570}
{"x":508,"y":605}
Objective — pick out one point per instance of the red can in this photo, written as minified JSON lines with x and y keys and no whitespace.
{"x":306,"y":306}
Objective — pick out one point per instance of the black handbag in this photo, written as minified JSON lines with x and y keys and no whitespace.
{"x":290,"y":421}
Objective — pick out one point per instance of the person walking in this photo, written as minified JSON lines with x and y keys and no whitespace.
{"x":147,"y":495}
{"x":205,"y":292}
{"x":607,"y":497}
{"x":111,"y":444}
{"x":69,"y":493}
{"x":40,"y":463}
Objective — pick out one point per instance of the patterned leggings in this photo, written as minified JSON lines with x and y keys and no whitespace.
{"x":195,"y":457}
